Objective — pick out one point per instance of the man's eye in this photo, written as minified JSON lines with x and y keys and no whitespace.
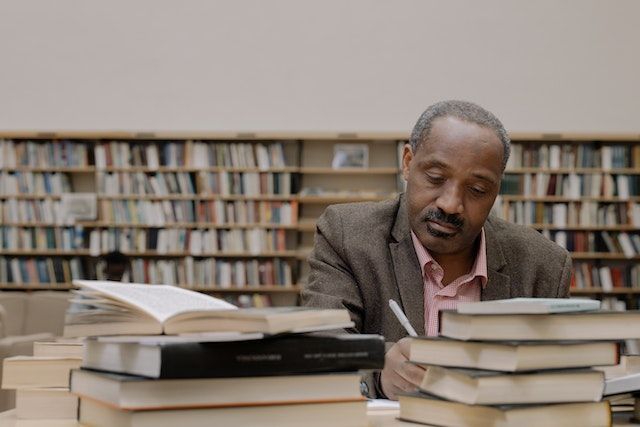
{"x":478,"y":191}
{"x":436,"y":179}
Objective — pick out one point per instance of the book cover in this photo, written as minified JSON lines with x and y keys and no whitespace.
{"x":169,"y":357}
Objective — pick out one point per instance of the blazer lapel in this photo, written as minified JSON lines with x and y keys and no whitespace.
{"x":407,"y":270}
{"x":498,"y":284}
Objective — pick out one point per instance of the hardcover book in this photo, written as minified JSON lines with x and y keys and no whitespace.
{"x":513,"y":356}
{"x":166,"y":357}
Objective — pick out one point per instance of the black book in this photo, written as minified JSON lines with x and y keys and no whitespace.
{"x":288,"y":354}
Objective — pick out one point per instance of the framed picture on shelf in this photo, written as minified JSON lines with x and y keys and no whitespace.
{"x":78,"y":206}
{"x":350,"y":156}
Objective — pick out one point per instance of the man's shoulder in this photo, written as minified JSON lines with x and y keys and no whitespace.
{"x":364,"y":214}
{"x":516,"y":237}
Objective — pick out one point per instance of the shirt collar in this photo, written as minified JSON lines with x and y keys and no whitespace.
{"x":479,"y":268}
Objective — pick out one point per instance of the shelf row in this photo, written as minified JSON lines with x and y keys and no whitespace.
{"x":283,"y":289}
{"x":311,"y":170}
{"x":299,"y":254}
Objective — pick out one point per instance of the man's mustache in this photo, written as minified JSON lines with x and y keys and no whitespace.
{"x":439,"y":216}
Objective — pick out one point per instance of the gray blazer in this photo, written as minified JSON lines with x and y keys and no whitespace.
{"x":363,"y":256}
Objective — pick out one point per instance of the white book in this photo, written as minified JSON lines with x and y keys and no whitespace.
{"x":153,"y":161}
{"x":626,"y":245}
{"x":528,"y":306}
{"x":554,"y":157}
{"x":606,"y":281}
{"x":623,"y":186}
{"x":606,"y":157}
{"x":625,"y":384}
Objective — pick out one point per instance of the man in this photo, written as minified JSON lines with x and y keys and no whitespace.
{"x":433,"y":246}
{"x":116,"y":266}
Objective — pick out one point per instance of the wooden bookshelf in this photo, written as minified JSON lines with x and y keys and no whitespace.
{"x":306,"y":160}
{"x":582,"y":191}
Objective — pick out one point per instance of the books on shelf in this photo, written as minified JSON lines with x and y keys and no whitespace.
{"x":128,"y":392}
{"x":114,"y":308}
{"x":433,"y":411}
{"x":596,"y":325}
{"x":234,"y":355}
{"x":513,"y":356}
{"x":481,"y":387}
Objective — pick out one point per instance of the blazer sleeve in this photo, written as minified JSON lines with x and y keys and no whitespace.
{"x":331,"y":282}
{"x":565,"y":278}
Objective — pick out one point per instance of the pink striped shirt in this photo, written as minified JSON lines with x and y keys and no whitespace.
{"x":438,"y":297}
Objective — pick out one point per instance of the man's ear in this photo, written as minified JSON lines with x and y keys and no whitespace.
{"x":407,"y":156}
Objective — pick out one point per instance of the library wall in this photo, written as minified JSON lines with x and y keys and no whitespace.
{"x":286,"y":65}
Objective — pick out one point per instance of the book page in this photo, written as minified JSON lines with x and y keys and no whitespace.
{"x":159,"y":301}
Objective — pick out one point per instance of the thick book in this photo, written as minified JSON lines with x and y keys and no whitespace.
{"x":287,"y":354}
{"x":65,"y":348}
{"x":335,"y":414}
{"x":114,"y":308}
{"x":21,"y":372}
{"x":592,"y":325}
{"x":139,"y":393}
{"x":513,"y":356}
{"x":480,"y":387}
{"x":46,"y":403}
{"x":421,"y":408}
{"x":623,"y":384}
{"x":528,"y":305}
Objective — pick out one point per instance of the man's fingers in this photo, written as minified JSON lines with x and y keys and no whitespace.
{"x":411,"y":373}
{"x":402,"y":385}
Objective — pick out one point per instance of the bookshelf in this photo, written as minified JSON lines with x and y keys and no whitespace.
{"x":234,"y":214}
{"x":583,"y":193}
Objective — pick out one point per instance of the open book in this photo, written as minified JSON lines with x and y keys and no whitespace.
{"x":114,"y":308}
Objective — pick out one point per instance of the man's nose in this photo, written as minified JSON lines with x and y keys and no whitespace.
{"x":450,"y":200}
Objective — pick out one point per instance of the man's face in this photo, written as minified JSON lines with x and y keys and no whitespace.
{"x":453,"y":179}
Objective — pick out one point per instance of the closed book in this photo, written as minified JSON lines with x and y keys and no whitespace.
{"x":139,"y":393}
{"x":334,"y":414}
{"x":278,"y":355}
{"x":594,"y":325}
{"x":422,"y":408}
{"x":480,"y":387}
{"x":46,"y":403}
{"x":513,"y":356}
{"x":528,"y":305}
{"x":21,"y":372}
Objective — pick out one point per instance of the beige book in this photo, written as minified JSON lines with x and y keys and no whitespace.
{"x":432,"y":411}
{"x":20,"y":372}
{"x":479,"y":387}
{"x":65,"y":348}
{"x":513,"y":356}
{"x":46,"y":403}
{"x":334,"y":414}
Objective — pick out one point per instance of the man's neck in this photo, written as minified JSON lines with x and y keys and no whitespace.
{"x":458,"y":264}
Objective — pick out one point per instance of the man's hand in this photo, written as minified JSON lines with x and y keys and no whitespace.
{"x":398,"y":375}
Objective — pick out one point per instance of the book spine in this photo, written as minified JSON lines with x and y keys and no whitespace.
{"x":292,"y":355}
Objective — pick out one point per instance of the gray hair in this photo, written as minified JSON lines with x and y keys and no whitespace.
{"x":463,"y":110}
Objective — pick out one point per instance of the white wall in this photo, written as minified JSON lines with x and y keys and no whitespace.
{"x":325,"y":65}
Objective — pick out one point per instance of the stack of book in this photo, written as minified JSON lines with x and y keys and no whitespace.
{"x":41,"y":382}
{"x":228,"y":367}
{"x":518,"y":363}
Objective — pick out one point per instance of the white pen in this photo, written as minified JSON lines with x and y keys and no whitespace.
{"x":402,"y":318}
